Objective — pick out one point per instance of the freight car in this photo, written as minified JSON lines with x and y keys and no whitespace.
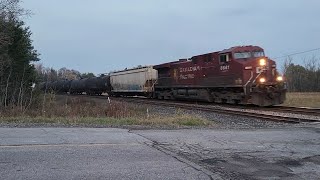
{"x":239,"y":75}
{"x":78,"y":86}
{"x":62,"y":86}
{"x":130,"y":82}
{"x":97,"y":85}
{"x":90,"y":86}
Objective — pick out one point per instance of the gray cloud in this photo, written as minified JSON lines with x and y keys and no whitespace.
{"x":100,"y":36}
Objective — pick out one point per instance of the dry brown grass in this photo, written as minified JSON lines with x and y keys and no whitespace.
{"x":85,"y":111}
{"x":304,"y":99}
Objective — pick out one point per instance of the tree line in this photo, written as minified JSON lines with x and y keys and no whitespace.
{"x":46,"y":74}
{"x":17,"y":54}
{"x":303,"y":78}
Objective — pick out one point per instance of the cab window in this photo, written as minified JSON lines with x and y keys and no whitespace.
{"x":258,"y":54}
{"x":242,"y":55}
{"x":224,"y":58}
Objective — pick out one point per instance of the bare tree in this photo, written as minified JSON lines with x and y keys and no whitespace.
{"x":69,"y":74}
{"x":9,"y":10}
{"x":12,"y":9}
{"x":286,"y":64}
{"x":311,"y":68}
{"x":303,"y":78}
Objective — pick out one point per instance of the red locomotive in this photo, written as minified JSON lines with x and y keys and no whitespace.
{"x":239,"y":75}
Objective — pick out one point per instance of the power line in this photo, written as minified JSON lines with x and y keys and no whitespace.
{"x":297,"y":53}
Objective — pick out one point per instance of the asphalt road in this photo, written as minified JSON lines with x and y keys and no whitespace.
{"x":55,"y":153}
{"x":82,"y":153}
{"x":247,"y":154}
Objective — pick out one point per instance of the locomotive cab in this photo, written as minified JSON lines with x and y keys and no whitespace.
{"x":263,"y":85}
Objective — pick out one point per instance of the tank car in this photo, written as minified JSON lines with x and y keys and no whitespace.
{"x":47,"y":86}
{"x":97,"y":85}
{"x":54,"y":86}
{"x":239,"y":75}
{"x":78,"y":86}
{"x":63,"y":86}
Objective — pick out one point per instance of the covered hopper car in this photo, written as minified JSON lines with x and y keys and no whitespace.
{"x":137,"y":81}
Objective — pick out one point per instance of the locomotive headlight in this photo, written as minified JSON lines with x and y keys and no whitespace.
{"x":262,"y":80}
{"x":279,"y":78}
{"x":263,"y":62}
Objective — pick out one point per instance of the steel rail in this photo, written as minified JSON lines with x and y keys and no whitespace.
{"x":205,"y":107}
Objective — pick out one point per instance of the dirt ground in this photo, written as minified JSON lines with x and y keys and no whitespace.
{"x":303,"y":99}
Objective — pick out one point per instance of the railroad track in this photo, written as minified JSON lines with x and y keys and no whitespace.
{"x":282,"y":109}
{"x":297,"y":110}
{"x":234,"y":110}
{"x":223,"y":110}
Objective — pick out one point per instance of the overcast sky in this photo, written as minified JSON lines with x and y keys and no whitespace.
{"x":102,"y":35}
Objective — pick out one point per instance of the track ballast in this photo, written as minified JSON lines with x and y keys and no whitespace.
{"x":244,"y":111}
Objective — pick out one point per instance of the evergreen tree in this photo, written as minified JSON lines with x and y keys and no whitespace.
{"x":17,"y":73}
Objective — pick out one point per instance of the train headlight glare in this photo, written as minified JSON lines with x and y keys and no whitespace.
{"x":262,"y":80}
{"x":279,"y":78}
{"x":262,"y":62}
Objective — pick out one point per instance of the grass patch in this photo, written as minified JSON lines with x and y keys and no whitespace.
{"x":86,"y":111}
{"x":305,"y":99}
{"x":174,"y":121}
